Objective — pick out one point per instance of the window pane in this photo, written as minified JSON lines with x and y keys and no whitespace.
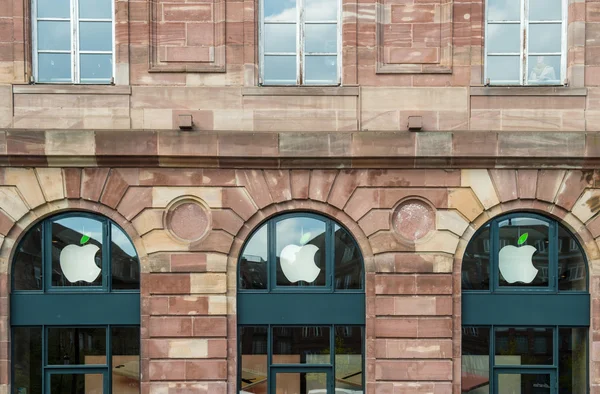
{"x":321,"y":10}
{"x":321,"y":38}
{"x":504,"y":38}
{"x":348,"y":359}
{"x":54,"y":35}
{"x":54,"y":9}
{"x":76,"y":252}
{"x":572,"y":273}
{"x":124,"y":261}
{"x":348,"y":261}
{"x":254,"y":360}
{"x":95,"y":36}
{"x":27,"y":362}
{"x":545,"y":10}
{"x":572,"y":360}
{"x":96,"y":9}
{"x":524,"y":383}
{"x":321,"y":69}
{"x":27,"y":266}
{"x":544,"y":70}
{"x":54,"y":67}
{"x":76,"y":383}
{"x":125,"y":344}
{"x":524,"y":346}
{"x":301,"y":383}
{"x":253,"y":264}
{"x":475,"y":359}
{"x":476,"y":262}
{"x":523,"y":256}
{"x":301,"y":345}
{"x":96,"y":68}
{"x":280,"y":38}
{"x":76,"y":346}
{"x":300,"y":252}
{"x":503,"y":69}
{"x":280,"y":70}
{"x":504,"y":10}
{"x":545,"y":38}
{"x":280,"y":10}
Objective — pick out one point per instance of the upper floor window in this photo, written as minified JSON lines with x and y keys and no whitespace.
{"x":299,"y":42}
{"x":525,"y":42}
{"x":73,"y":41}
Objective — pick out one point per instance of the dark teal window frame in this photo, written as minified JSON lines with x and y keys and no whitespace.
{"x":526,"y":307}
{"x":70,"y":307}
{"x":306,"y":306}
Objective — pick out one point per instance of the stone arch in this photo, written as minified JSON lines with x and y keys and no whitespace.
{"x":555,"y":210}
{"x":259,"y":217}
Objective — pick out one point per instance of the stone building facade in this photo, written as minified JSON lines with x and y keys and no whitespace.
{"x":190,"y":199}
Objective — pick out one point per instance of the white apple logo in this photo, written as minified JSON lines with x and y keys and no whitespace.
{"x":77,"y":262}
{"x":298,"y":262}
{"x":515,"y":262}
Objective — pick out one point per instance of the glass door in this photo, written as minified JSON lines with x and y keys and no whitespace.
{"x":301,"y":381}
{"x":525,"y":381}
{"x":76,"y":381}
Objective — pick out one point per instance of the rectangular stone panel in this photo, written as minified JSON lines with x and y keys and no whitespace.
{"x":414,"y":36}
{"x":187,"y":36}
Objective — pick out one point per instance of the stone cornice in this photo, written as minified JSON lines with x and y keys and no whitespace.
{"x":459,"y":149}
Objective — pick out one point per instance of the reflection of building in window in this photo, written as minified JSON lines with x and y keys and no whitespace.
{"x":542,"y":71}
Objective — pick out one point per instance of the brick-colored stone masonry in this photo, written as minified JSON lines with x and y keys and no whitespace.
{"x":188,"y":286}
{"x":344,"y":152}
{"x":399,"y":59}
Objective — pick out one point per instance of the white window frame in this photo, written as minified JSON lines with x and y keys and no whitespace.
{"x":524,"y":46}
{"x":74,"y":20}
{"x":300,"y":53}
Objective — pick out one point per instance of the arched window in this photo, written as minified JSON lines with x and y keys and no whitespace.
{"x":301,"y":308}
{"x":525,"y":308}
{"x":75,"y":308}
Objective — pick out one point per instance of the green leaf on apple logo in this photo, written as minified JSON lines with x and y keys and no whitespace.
{"x":305,"y":238}
{"x":522,"y":239}
{"x":84,"y":239}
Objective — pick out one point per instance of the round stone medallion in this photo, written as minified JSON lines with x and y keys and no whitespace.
{"x":413,"y":219}
{"x":188,"y":220}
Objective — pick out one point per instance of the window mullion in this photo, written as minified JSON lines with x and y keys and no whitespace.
{"x":524,"y":40}
{"x":74,"y":42}
{"x":300,"y":44}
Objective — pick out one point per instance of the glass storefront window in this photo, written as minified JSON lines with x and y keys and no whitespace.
{"x":475,"y":376}
{"x":523,"y":245}
{"x":79,"y":331}
{"x":298,"y":273}
{"x":526,"y":332}
{"x":476,"y":262}
{"x":300,"y":250}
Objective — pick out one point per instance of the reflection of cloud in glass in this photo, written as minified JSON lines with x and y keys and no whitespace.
{"x":120,"y":239}
{"x":83,"y":226}
{"x":257,"y":246}
{"x":291,"y":231}
{"x":504,"y":10}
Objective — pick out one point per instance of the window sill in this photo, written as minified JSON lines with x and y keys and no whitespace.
{"x":72,"y":89}
{"x":527,"y":91}
{"x":300,"y":91}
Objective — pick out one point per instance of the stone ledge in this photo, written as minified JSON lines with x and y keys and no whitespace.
{"x":127,"y":148}
{"x":72,"y":89}
{"x":300,"y":91}
{"x":527,"y":91}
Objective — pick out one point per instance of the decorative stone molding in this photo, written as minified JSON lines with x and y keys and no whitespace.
{"x":187,"y":36}
{"x":414,"y":37}
{"x":187,"y":219}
